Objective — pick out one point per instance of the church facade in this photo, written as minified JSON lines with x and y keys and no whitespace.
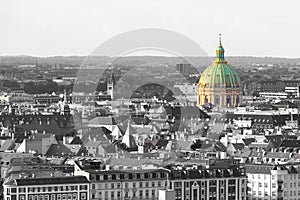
{"x":219,"y":84}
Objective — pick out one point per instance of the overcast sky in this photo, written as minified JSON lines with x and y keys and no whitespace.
{"x":73,"y":27}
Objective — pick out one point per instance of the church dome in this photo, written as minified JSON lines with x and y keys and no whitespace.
{"x":219,"y":74}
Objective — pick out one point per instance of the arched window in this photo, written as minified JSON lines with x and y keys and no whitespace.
{"x":217,"y":100}
{"x":237,"y":100}
{"x":228,"y":101}
{"x":206,"y":99}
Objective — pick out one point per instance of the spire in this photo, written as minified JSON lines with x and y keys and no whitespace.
{"x":220,"y":52}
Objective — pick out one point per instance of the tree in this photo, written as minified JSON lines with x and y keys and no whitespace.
{"x":30,"y":88}
{"x":50,"y":87}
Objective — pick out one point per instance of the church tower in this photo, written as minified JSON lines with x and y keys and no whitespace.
{"x":110,"y":86}
{"x":219,"y":84}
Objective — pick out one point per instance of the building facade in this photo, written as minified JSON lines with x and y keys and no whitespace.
{"x":133,"y":184}
{"x":50,"y":188}
{"x":280,"y":182}
{"x":224,"y":181}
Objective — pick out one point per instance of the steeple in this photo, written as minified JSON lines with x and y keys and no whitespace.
{"x":220,"y":53}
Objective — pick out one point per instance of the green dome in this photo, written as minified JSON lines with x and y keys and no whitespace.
{"x":219,"y":74}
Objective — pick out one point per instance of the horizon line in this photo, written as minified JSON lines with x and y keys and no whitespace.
{"x":52,"y":56}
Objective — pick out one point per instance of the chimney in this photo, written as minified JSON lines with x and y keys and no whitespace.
{"x":64,"y":140}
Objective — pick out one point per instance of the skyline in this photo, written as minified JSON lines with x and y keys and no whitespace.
{"x":68,"y":28}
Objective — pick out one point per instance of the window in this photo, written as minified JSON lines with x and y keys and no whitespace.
{"x":83,"y":187}
{"x":83,"y":195}
{"x":158,"y":183}
{"x":153,"y":193}
{"x":21,"y":190}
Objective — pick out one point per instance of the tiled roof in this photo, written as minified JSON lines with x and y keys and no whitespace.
{"x":184,"y":145}
{"x":77,"y":149}
{"x":248,"y":141}
{"x":59,"y":124}
{"x":102,"y":121}
{"x":160,"y":143}
{"x":277,"y":155}
{"x":93,"y":143}
{"x":238,"y":146}
{"x":99,"y":133}
{"x":258,"y":145}
{"x":275,"y":140}
{"x":132,"y":161}
{"x":109,"y":148}
{"x":76,"y":140}
{"x":290,"y":143}
{"x":7,"y":145}
{"x":52,"y":180}
{"x":259,"y":169}
{"x":58,"y":150}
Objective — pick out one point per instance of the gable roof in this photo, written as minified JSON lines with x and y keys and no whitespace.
{"x":238,"y":146}
{"x":58,"y":150}
{"x":248,"y":141}
{"x":7,"y":145}
{"x":51,"y":180}
{"x":290,"y":143}
{"x":98,"y":121}
{"x":76,"y":140}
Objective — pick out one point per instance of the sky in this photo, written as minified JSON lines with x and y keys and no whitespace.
{"x":77,"y":27}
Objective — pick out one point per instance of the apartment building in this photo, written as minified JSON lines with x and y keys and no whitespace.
{"x":221,"y":180}
{"x":275,"y":182}
{"x":48,"y":188}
